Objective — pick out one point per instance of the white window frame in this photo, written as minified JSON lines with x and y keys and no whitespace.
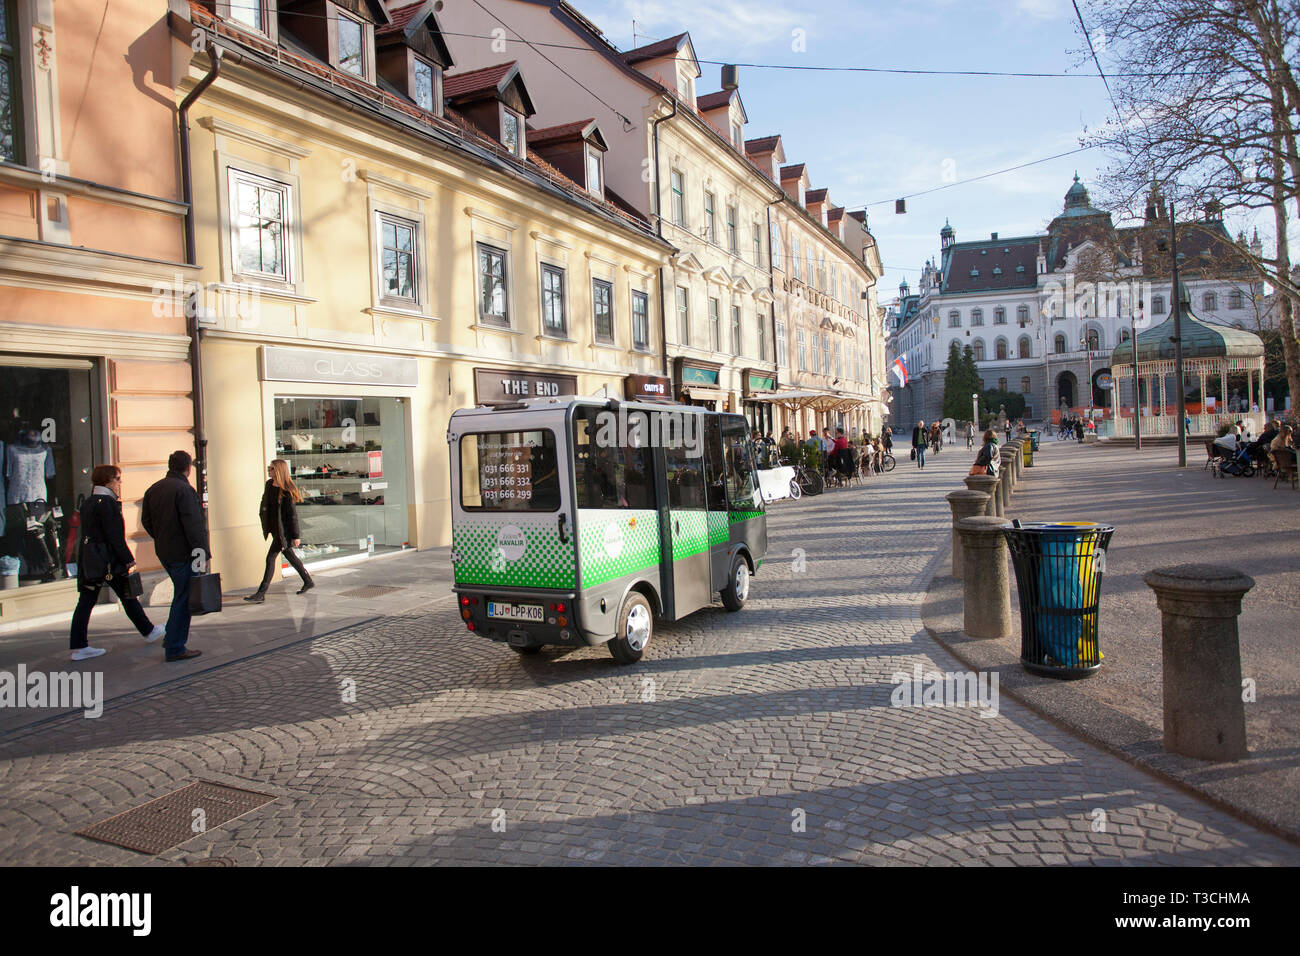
{"x":592,"y":153}
{"x":677,"y":197}
{"x":682,"y":307}
{"x":613,"y":315}
{"x":633,"y":295}
{"x":416,"y":222}
{"x":782,"y":359}
{"x":292,"y":237}
{"x":737,"y":328}
{"x":711,"y":217}
{"x":367,"y":44}
{"x":270,"y":28}
{"x":417,"y":61}
{"x":801,"y":345}
{"x":733,"y":230}
{"x":521,"y":149}
{"x":715,"y":324}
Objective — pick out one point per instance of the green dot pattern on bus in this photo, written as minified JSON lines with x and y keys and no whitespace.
{"x":693,"y":536}
{"x":546,"y":562}
{"x":718,"y":533}
{"x":736,"y":517}
{"x":638,"y":532}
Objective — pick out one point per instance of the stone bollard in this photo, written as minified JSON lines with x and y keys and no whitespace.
{"x":1004,"y":482}
{"x":986,"y":580}
{"x":989,"y":485}
{"x":1020,"y":461}
{"x":1015,"y":464}
{"x":1199,"y":605}
{"x":964,"y":504}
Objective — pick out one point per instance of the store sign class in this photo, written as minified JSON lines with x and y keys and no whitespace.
{"x":345,"y":368}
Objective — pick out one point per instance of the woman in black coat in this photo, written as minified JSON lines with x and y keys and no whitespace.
{"x":103,"y":548}
{"x":280,"y":523}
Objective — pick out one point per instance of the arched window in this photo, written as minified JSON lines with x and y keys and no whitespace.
{"x":977,"y":349}
{"x":1059,"y":344}
{"x":954,"y":319}
{"x":1002,"y":385}
{"x":976,"y":316}
{"x":1025,"y":349}
{"x":1157,"y":305}
{"x":1094,"y":339}
{"x":1123,"y":335}
{"x":1000,"y":349}
{"x":999,"y":316}
{"x":1022,"y":315}
{"x":1210,"y":302}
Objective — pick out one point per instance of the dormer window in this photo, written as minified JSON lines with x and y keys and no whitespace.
{"x":595,"y":179}
{"x":351,"y":45}
{"x":684,"y":87}
{"x":426,"y":85}
{"x":737,"y":137}
{"x":512,"y":131}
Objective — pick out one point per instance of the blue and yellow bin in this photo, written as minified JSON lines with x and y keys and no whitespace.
{"x":1059,"y":567}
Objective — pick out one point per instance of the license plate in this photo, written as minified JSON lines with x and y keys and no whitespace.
{"x":515,"y":612}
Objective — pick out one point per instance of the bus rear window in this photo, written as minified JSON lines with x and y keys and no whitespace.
{"x":509,"y":471}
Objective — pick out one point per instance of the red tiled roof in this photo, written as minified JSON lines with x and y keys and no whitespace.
{"x":401,"y":16}
{"x":764,"y":144}
{"x":455,"y":85}
{"x":653,"y":51}
{"x":555,"y":134}
{"x":836,"y":213}
{"x":813,"y":195}
{"x":792,"y":172}
{"x":713,"y":101}
{"x":859,"y":214}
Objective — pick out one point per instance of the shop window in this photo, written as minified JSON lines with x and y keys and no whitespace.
{"x":509,"y":471}
{"x":602,"y":310}
{"x":261,"y":226}
{"x":554,"y":320}
{"x":493,"y":301}
{"x":640,"y":321}
{"x":399,"y":261}
{"x":609,"y":476}
{"x":11,"y":90}
{"x":48,"y":448}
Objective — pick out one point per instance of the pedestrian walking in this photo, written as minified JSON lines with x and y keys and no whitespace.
{"x":173,"y":517}
{"x":970,"y":435}
{"x":888,"y":439}
{"x":104,"y":559}
{"x":920,"y":438}
{"x":279,"y":515}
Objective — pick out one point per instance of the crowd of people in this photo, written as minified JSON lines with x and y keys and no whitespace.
{"x":836,"y":451}
{"x":1237,"y":442}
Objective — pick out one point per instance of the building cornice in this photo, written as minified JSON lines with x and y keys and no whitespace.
{"x":34,"y":264}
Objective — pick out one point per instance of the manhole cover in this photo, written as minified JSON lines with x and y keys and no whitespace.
{"x":211,"y":861}
{"x":179,"y":816}
{"x":369,"y":591}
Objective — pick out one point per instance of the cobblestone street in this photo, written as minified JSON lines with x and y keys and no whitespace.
{"x":762,"y":737}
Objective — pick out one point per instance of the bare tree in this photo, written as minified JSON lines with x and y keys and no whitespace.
{"x":1208,"y":106}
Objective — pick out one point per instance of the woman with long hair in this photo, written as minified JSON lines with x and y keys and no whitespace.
{"x":104,"y":532}
{"x":280,"y":523}
{"x":989,"y":459}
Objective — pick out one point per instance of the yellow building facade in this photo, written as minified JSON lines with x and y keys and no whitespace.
{"x":370,"y":266}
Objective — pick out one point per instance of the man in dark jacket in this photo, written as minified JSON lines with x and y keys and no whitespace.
{"x":173,"y":517}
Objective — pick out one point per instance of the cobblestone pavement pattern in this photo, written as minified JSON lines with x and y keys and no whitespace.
{"x":760,"y":737}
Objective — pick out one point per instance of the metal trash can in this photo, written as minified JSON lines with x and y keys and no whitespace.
{"x":1058,"y":575}
{"x":1027,"y":453}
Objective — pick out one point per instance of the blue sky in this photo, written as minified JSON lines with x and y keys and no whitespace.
{"x":873,"y":137}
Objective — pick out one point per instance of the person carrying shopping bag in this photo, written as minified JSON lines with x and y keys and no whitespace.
{"x":280,"y":522}
{"x":104,"y":559}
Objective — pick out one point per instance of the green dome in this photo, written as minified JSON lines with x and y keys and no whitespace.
{"x":1077,"y":195}
{"x":1200,"y":339}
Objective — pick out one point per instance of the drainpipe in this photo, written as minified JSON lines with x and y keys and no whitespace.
{"x":192,"y":307}
{"x":771,"y":287}
{"x":659,"y":230}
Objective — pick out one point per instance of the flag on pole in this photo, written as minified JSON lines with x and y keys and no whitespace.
{"x":900,"y":369}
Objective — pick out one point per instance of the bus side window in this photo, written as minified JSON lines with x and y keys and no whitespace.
{"x":609,"y":475}
{"x":741,"y":481}
{"x":715,"y":468}
{"x":685,"y":478}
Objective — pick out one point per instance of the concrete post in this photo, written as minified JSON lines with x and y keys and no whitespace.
{"x":1199,"y":605}
{"x":964,"y":504}
{"x":1004,"y":480}
{"x":989,"y":485}
{"x":986,"y":578}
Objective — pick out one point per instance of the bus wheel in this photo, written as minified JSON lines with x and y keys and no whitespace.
{"x":737,"y":589}
{"x":526,"y":651}
{"x":635,"y":625}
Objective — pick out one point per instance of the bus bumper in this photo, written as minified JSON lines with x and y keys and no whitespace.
{"x":558,"y":625}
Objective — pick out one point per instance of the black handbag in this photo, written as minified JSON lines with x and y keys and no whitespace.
{"x":205,"y":594}
{"x":913,"y":454}
{"x":94,"y":564}
{"x":134,"y":586}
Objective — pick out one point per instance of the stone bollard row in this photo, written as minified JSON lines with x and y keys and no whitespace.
{"x":986,"y":577}
{"x":989,"y":485}
{"x":1004,"y":481}
{"x":1201,"y":654}
{"x":964,"y":504}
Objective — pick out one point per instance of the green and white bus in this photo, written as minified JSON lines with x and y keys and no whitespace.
{"x":579,"y":521}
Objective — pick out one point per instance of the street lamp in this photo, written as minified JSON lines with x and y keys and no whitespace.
{"x":1137,"y":386}
{"x":975,"y":409}
{"x":1172,"y":247}
{"x":1083,"y":340}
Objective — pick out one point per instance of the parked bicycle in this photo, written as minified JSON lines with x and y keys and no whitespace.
{"x":806,"y":479}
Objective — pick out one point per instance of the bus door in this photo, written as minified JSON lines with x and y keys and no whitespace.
{"x":715,"y":495}
{"x":687,"y":564}
{"x":746,"y":521}
{"x":617,"y":512}
{"x":511,"y":524}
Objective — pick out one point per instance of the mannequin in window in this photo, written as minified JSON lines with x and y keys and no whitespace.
{"x":31,"y":529}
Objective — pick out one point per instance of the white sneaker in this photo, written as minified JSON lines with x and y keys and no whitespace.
{"x":157,"y":633}
{"x":86,"y":653}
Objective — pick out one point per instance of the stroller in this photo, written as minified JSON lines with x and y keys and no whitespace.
{"x":1238,"y":463}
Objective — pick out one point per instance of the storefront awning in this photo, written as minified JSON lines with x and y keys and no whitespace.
{"x":700,"y":393}
{"x":817,"y":401}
